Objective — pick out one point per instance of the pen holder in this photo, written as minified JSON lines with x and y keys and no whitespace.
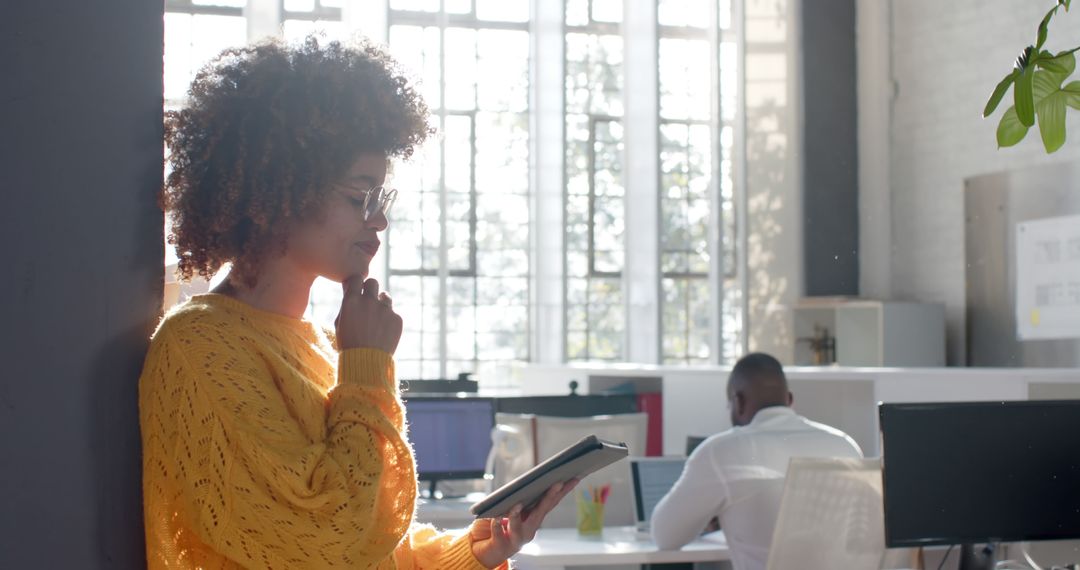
{"x":590,"y":516}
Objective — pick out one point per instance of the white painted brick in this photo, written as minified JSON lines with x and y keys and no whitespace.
{"x":946,"y":59}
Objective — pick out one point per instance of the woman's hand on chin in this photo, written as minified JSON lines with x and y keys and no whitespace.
{"x":367,"y":318}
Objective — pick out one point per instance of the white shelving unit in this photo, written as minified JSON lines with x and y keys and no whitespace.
{"x":872,"y":333}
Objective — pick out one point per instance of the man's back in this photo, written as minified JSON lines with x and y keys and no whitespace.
{"x":738,"y":476}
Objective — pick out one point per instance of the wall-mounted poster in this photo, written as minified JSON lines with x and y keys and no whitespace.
{"x":1048,"y":278}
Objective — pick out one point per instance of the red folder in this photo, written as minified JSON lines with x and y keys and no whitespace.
{"x":653,"y":404}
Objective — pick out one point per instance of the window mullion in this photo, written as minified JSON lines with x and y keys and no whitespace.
{"x":547,"y":181}
{"x":591,"y":224}
{"x":444,"y":254}
{"x":715,"y":232}
{"x":641,"y":274}
{"x":368,"y":17}
{"x":263,"y":19}
{"x":474,"y":269}
{"x":738,"y":161}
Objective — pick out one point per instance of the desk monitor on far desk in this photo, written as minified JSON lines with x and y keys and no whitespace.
{"x":693,"y":441}
{"x":450,"y":436}
{"x":652,"y":478}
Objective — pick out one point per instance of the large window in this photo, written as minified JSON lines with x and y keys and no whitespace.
{"x":686,"y":109}
{"x":697,"y":80}
{"x":460,"y":255}
{"x":595,"y":310}
{"x":459,"y":241}
{"x":302,"y":17}
{"x":195,"y":31}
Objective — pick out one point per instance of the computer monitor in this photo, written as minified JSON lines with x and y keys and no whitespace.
{"x":692,"y":443}
{"x":451,"y":437}
{"x":980,"y":472}
{"x":652,"y":478}
{"x":444,"y":386}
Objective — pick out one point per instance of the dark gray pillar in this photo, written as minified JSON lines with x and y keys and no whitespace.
{"x":830,"y":175}
{"x":80,"y":288}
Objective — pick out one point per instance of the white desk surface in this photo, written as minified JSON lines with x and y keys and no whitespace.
{"x":447,"y":513}
{"x":562,"y":547}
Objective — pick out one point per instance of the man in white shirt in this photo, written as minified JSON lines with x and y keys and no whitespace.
{"x":738,"y":475}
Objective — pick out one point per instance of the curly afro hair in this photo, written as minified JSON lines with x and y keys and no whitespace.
{"x":266,"y":130}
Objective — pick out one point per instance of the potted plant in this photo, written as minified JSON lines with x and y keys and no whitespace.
{"x":1040,"y":93}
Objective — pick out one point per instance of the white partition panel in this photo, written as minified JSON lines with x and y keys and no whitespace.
{"x":695,"y":399}
{"x":695,"y":403}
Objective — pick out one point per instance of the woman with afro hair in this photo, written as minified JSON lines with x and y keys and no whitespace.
{"x":267,"y":441}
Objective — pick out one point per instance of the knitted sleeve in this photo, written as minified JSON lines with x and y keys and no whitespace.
{"x":255,"y":487}
{"x":426,"y":548}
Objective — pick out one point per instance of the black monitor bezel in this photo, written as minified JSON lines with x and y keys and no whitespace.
{"x":569,"y":406}
{"x":635,"y":486}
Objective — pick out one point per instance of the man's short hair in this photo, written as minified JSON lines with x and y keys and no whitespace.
{"x":757,"y":365}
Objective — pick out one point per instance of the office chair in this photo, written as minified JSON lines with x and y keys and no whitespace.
{"x":554,"y":434}
{"x":513,"y":447}
{"x":520,"y":441}
{"x":831,"y":517}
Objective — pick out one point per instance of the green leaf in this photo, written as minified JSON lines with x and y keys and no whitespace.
{"x":1053,"y":65}
{"x":1043,"y":26}
{"x":1062,"y":64}
{"x":1010,"y":131}
{"x":1071,"y":93}
{"x":1023,"y":97}
{"x":1051,"y":114}
{"x":1044,"y":84}
{"x":1065,"y":3}
{"x":999,"y":92}
{"x":1068,"y":59}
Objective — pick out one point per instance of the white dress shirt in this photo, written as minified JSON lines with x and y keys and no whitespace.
{"x":738,"y":476}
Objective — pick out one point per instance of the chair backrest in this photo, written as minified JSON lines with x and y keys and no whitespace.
{"x":830,"y":516}
{"x":554,"y":434}
{"x":513,"y":447}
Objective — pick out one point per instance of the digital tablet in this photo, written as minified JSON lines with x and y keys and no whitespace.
{"x":574,"y":462}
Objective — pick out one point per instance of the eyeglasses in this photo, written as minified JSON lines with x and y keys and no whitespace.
{"x":372,"y":201}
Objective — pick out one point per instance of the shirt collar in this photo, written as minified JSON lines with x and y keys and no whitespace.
{"x":765,"y":414}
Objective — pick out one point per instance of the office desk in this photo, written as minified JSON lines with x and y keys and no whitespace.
{"x":558,"y":548}
{"x":447,"y":513}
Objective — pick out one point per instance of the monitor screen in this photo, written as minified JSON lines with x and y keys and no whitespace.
{"x":450,"y":436}
{"x":692,"y":443}
{"x":957,"y":473}
{"x":652,"y":479}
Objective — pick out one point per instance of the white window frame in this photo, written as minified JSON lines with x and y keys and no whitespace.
{"x":641,"y":275}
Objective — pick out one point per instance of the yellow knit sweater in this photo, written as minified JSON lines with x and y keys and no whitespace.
{"x":259,"y":452}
